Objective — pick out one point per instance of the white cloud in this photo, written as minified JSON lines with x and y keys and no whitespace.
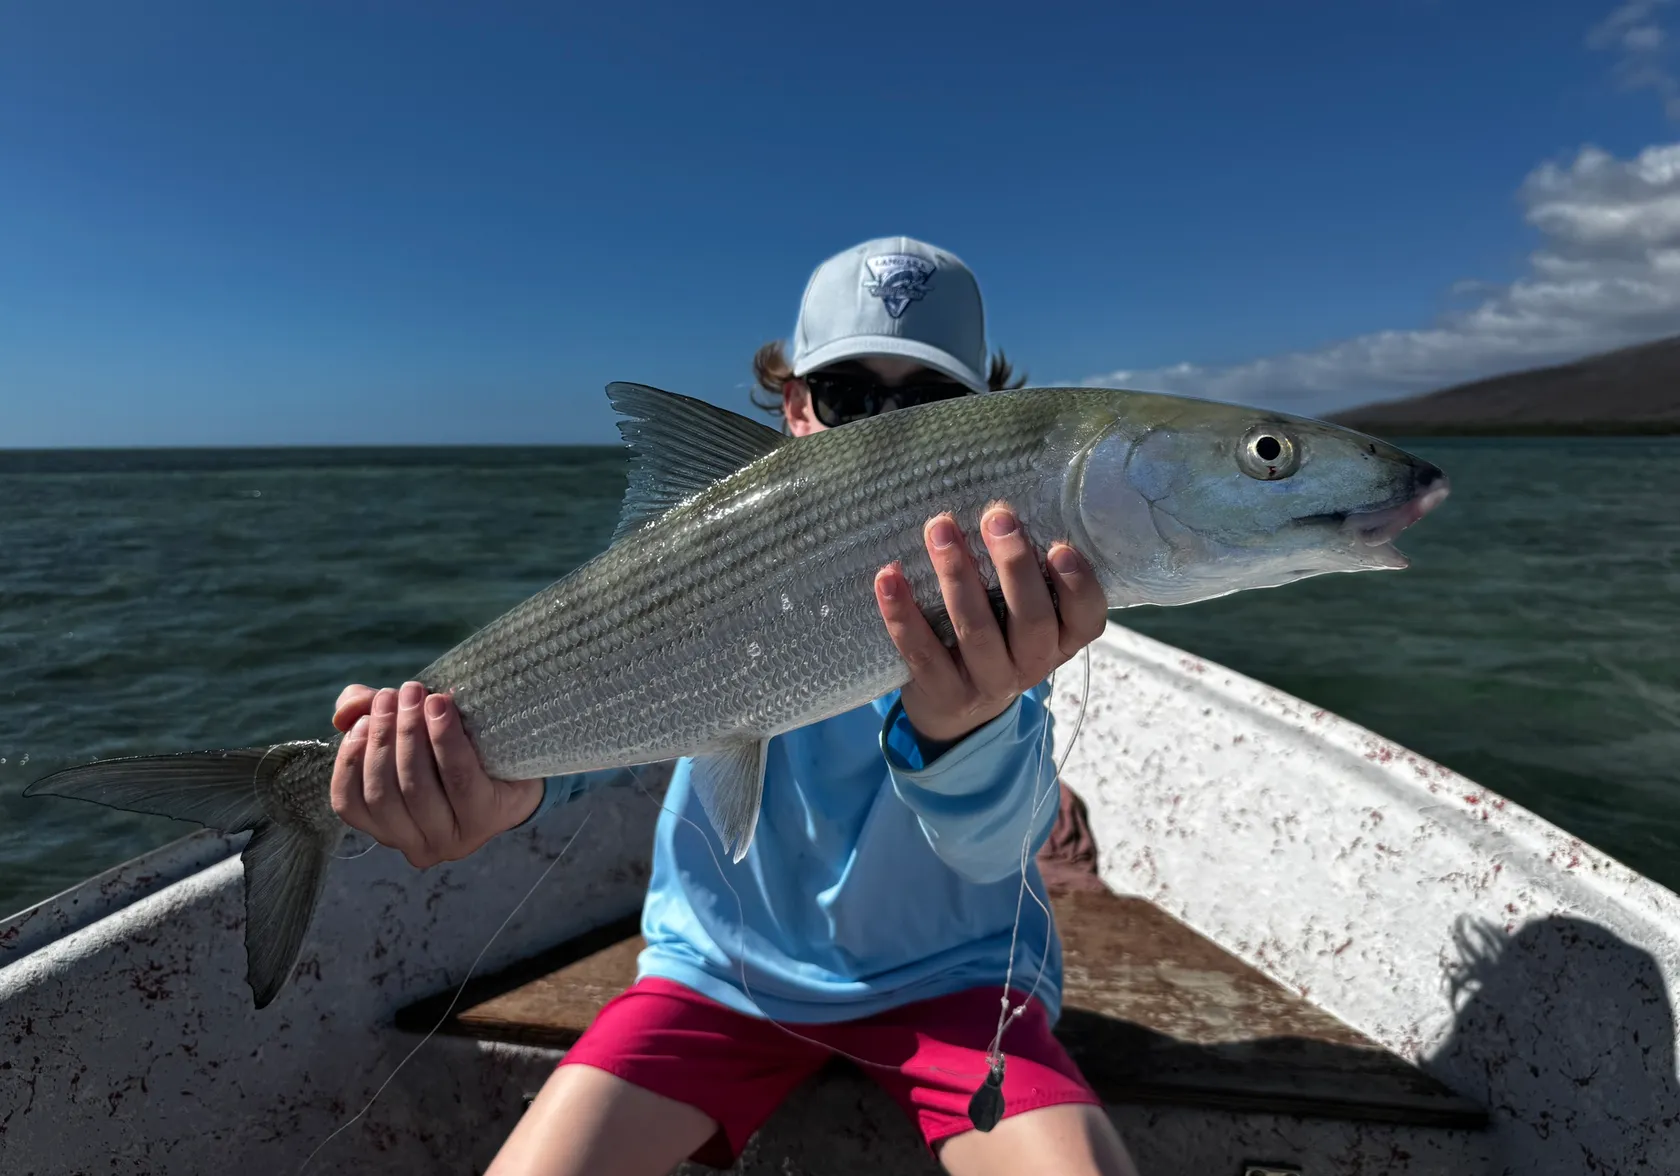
{"x":1632,"y":26}
{"x":1607,"y":274}
{"x":1633,"y":30}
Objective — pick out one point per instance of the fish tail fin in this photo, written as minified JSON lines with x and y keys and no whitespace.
{"x":285,"y":871}
{"x":237,"y":791}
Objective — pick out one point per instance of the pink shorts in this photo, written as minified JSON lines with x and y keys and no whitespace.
{"x":929,"y":1057}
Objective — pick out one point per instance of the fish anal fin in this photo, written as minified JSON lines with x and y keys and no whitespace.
{"x":730,"y":784}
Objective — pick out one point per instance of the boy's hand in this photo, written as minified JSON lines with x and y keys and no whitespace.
{"x":408,"y":776}
{"x":954,"y":691}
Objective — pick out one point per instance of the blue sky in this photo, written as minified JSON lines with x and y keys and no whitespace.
{"x":399,"y":223}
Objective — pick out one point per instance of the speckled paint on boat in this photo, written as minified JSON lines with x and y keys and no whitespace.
{"x":1527,"y":971}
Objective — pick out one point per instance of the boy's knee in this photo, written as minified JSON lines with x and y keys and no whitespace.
{"x":1076,"y":1139}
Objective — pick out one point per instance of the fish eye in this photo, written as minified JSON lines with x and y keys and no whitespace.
{"x":1268,"y":453}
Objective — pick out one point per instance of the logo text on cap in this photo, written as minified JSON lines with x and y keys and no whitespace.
{"x":900,"y":279}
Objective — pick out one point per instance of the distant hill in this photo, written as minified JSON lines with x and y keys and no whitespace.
{"x":1631,"y":391}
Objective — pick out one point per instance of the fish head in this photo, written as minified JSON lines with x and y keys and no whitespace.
{"x":1183,"y":500}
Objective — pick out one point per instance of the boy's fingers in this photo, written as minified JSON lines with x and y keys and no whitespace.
{"x":472,"y":794}
{"x":417,"y":774}
{"x":380,"y":788}
{"x":1033,"y":631}
{"x":932,"y":668}
{"x":1079,"y":598}
{"x":347,"y":799}
{"x":354,"y":701}
{"x":985,"y":656}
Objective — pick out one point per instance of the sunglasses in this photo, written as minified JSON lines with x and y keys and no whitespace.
{"x":841,"y":396}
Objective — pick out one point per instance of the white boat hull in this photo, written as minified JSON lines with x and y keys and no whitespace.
{"x":1325,"y":856}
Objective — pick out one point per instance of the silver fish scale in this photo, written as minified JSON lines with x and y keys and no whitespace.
{"x":750,"y":609}
{"x":297,"y":796}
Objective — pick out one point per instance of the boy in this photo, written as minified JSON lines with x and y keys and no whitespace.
{"x":874,"y":914}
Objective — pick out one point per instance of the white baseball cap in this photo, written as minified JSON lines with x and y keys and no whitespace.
{"x":894,"y":296}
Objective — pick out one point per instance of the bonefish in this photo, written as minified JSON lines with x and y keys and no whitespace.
{"x":736,"y":599}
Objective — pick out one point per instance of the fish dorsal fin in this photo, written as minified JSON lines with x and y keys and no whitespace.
{"x":678,"y":447}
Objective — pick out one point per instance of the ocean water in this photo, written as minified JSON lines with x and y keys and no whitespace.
{"x":161,"y":601}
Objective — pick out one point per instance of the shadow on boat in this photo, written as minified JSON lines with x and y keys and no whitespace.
{"x":1563,"y":1030}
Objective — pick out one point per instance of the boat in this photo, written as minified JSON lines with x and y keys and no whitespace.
{"x":1304,"y":949}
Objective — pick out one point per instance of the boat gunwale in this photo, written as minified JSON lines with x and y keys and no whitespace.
{"x":112,"y":890}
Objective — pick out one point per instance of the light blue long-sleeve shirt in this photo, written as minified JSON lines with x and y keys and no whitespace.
{"x":873,"y":879}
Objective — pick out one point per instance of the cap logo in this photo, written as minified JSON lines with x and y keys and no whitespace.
{"x":900,"y":279}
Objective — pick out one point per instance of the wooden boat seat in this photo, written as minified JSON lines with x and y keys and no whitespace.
{"x":1153,"y":1012}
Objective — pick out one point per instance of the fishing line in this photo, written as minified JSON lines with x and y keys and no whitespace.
{"x":994,"y":1076}
{"x":1026,"y":843}
{"x":741,"y":955}
{"x":458,"y":991}
{"x":985,"y":1108}
{"x":1061,"y":765}
{"x":350,"y":857}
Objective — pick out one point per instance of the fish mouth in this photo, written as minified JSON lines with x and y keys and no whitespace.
{"x":1377,"y":527}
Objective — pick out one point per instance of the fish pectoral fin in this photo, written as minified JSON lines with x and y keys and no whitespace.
{"x":678,"y":447}
{"x":730,"y":785}
{"x":285,"y":871}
